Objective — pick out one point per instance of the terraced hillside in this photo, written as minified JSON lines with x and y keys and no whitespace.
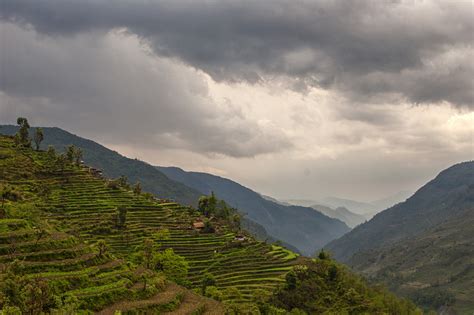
{"x":83,"y":205}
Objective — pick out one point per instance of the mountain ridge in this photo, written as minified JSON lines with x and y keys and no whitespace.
{"x":421,"y":248}
{"x":303,"y":225}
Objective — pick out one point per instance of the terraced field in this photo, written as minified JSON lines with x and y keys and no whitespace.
{"x":84,"y":207}
{"x":59,"y":258}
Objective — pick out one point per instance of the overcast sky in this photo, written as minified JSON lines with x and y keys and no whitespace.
{"x":295,"y":99}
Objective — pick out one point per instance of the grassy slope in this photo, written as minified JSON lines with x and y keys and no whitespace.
{"x":114,"y":165}
{"x":84,"y":206}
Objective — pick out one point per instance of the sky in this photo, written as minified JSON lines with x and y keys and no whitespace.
{"x":295,"y":99}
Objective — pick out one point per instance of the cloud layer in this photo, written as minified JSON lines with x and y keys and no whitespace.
{"x":416,"y":51}
{"x":293,"y":98}
{"x":110,"y":84}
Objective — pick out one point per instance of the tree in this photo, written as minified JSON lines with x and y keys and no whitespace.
{"x":22,"y":136}
{"x":38,"y":138}
{"x":147,"y":252}
{"x":291,"y":280}
{"x":36,"y":296}
{"x":137,"y":189}
{"x":61,"y":162}
{"x":207,"y":205}
{"x":102,"y":247}
{"x":323,"y":255}
{"x":78,"y":156}
{"x":174,"y":266}
{"x":71,"y":153}
{"x":122,"y":181}
{"x":207,"y":281}
{"x":161,"y":235}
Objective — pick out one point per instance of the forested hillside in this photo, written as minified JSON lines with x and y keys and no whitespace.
{"x":421,"y":248}
{"x":302,"y":227}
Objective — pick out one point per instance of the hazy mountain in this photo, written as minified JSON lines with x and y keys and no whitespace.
{"x":301,"y":227}
{"x":341,"y":213}
{"x":114,"y":165}
{"x":301,"y":202}
{"x":366,"y":209}
{"x":438,"y":200}
{"x":358,"y":207}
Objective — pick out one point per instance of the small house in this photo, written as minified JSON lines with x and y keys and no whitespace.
{"x":198,"y":225}
{"x":239,"y":238}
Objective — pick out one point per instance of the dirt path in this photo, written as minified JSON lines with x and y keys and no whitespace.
{"x":161,"y":298}
{"x":192,"y":301}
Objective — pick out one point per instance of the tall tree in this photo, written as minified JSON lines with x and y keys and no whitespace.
{"x":137,"y":189}
{"x":78,"y":156}
{"x":38,"y":138}
{"x":71,"y":153}
{"x":22,"y":136}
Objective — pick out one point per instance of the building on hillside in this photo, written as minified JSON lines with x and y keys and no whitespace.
{"x":198,"y":225}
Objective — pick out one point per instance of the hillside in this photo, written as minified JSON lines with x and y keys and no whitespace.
{"x":434,"y":268}
{"x":74,"y":242}
{"x":442,"y":198}
{"x":45,"y":267}
{"x":301,"y":227}
{"x":114,"y":165}
{"x":422,"y":247}
{"x":342,"y":214}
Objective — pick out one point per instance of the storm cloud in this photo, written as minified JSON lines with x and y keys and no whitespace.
{"x":96,"y":83}
{"x":416,"y":51}
{"x":293,"y":98}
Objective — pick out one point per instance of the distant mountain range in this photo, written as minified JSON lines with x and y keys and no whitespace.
{"x":302,"y":227}
{"x":422,"y":247}
{"x":365,"y":209}
{"x":341,"y":213}
{"x":299,"y":228}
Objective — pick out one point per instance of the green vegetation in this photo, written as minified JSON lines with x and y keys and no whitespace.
{"x":322,"y":286}
{"x":81,"y":209}
{"x":422,"y":248}
{"x":71,"y":241}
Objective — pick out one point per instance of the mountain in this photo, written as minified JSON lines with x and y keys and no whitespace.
{"x":421,"y":247}
{"x":300,"y":202}
{"x":73,"y":242}
{"x":341,"y":213}
{"x":301,"y":227}
{"x":358,"y":207}
{"x":115,"y":165}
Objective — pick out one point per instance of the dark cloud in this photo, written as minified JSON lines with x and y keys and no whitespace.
{"x":368,"y":50}
{"x":107,"y":86}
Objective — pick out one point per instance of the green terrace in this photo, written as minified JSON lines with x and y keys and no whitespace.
{"x":81,"y":209}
